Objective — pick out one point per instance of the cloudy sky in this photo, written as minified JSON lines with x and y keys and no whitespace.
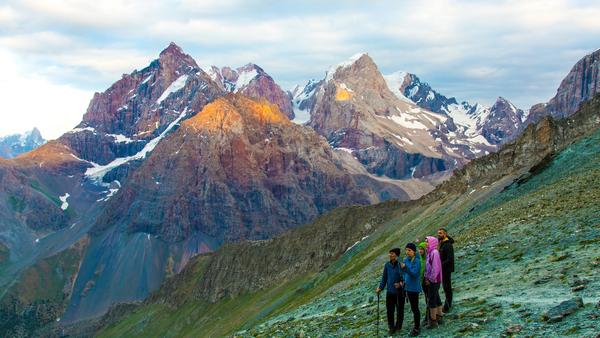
{"x":55,"y":54}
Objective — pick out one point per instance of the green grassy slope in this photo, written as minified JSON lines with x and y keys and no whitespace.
{"x":519,"y":251}
{"x":39,"y":296}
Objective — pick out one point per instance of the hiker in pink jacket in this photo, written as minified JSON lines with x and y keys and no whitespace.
{"x":433,"y":279}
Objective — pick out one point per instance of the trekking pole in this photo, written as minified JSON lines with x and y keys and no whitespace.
{"x":377,"y":314}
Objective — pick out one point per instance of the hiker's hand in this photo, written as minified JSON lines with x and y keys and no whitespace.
{"x":397,"y":285}
{"x":402,"y":265}
{"x":378,"y":290}
{"x":426,"y":282}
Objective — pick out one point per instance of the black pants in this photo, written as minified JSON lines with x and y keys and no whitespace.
{"x":425,"y":291}
{"x":433,"y":295}
{"x":447,"y":285}
{"x":395,"y":302}
{"x":413,"y":298}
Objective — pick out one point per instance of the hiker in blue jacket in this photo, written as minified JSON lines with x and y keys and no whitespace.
{"x":394,"y":300}
{"x":411,"y":268}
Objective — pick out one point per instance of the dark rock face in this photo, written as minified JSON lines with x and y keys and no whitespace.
{"x":251,"y":80}
{"x":100,"y":148}
{"x":580,"y":85}
{"x":239,"y":169}
{"x":424,"y":96}
{"x":14,"y":145}
{"x":391,"y":161}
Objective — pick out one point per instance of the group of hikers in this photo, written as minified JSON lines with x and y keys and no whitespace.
{"x":423,"y":270}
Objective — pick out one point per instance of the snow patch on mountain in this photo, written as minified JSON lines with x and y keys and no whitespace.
{"x":406,"y":121}
{"x":394,"y":82}
{"x":97,"y":172}
{"x":119,"y":138}
{"x":147,"y":78}
{"x":79,"y":130}
{"x":344,"y":64}
{"x":300,"y":95}
{"x":63,"y":199}
{"x":173,"y":87}
{"x":244,"y":79}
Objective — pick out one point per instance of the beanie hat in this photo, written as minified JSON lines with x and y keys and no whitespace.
{"x":411,"y":246}
{"x":396,"y":251}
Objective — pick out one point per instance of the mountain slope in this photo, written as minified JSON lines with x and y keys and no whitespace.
{"x":238,"y":169}
{"x":14,"y":145}
{"x":494,"y":206}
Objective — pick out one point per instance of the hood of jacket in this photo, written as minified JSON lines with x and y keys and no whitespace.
{"x":432,"y":243}
{"x":450,"y":240}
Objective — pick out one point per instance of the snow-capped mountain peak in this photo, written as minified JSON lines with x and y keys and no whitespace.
{"x":349,"y":62}
{"x":395,"y":81}
{"x":16,"y":144}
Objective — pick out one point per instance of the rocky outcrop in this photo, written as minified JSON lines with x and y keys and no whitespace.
{"x":391,"y":161}
{"x":580,"y":85}
{"x":251,"y":80}
{"x":14,"y":145}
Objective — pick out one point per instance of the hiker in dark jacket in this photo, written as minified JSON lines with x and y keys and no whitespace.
{"x":394,"y":300}
{"x":447,"y":255}
{"x":411,"y":266}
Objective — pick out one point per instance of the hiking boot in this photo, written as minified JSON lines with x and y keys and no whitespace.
{"x":414,"y":332}
{"x":440,"y":320}
{"x":446,"y":308}
{"x":432,"y":324}
{"x":391,"y":332}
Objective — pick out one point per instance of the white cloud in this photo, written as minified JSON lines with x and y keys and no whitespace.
{"x":30,"y":101}
{"x":483,"y":72}
{"x":36,"y":42}
{"x":469,"y":49}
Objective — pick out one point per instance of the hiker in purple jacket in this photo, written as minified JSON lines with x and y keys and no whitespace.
{"x":433,"y":279}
